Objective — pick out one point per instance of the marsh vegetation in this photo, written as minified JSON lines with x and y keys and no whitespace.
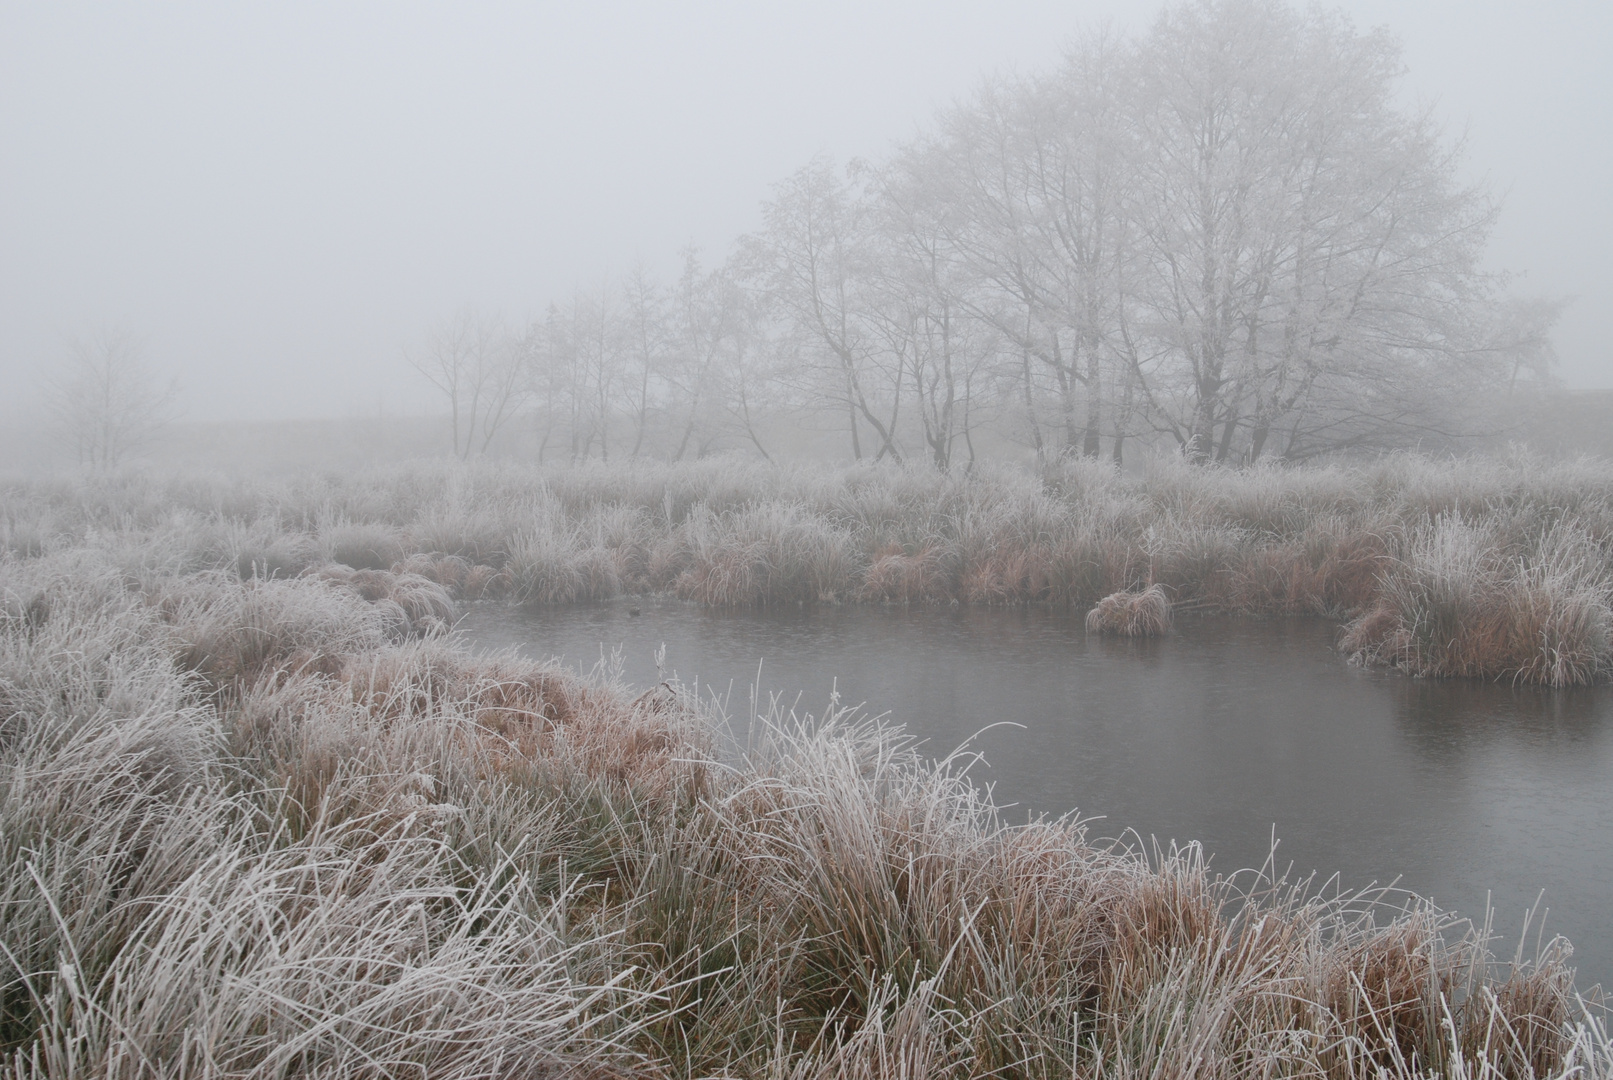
{"x":262,"y":816}
{"x":1492,"y":568}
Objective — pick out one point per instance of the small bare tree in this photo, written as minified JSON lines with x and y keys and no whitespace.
{"x":811,"y":264}
{"x":479,"y":368}
{"x":105,"y":400}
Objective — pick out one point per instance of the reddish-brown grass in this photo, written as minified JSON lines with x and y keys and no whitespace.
{"x":831,"y":900}
{"x":1520,"y":1025}
{"x":896,"y":576}
{"x":1009,"y":574}
{"x":1385,"y":989}
{"x":1140,"y":613}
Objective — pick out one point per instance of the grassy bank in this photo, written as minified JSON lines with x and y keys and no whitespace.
{"x":1481,"y":568}
{"x":285,"y":826}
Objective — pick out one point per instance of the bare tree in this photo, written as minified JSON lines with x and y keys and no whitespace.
{"x":811,"y":264}
{"x":646,"y":347}
{"x":480,"y":368}
{"x":1313,"y":262}
{"x":1225,"y":232}
{"x":599,"y":364}
{"x":1222,"y":234}
{"x":1033,"y":179}
{"x":552,"y":379}
{"x":106,"y":402}
{"x":926,"y":305}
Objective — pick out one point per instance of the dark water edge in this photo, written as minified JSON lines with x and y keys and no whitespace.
{"x":1228,"y":732}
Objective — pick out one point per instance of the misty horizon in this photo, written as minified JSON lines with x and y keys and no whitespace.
{"x":280,"y":203}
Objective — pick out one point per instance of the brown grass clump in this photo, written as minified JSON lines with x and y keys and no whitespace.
{"x":1139,"y":613}
{"x":1009,"y":575}
{"x":766,"y":555}
{"x":897,"y":576}
{"x":735,"y":575}
{"x":1461,"y":604}
{"x":362,"y":545}
{"x":425,"y":606}
{"x":483,"y":581}
{"x":1332,"y":569}
{"x":232,"y":633}
{"x":267,"y":552}
{"x":449,"y":571}
{"x":1387,"y":989}
{"x":527,"y":710}
{"x":558,"y":566}
{"x":1520,"y":1027}
{"x":461,"y":577}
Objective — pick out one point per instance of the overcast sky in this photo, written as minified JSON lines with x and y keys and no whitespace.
{"x":279,"y":197}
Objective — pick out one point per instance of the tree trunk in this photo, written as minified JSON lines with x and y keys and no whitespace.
{"x":1226,"y":437}
{"x":1257,"y":440}
{"x":1089,"y":441}
{"x":1201,"y":440}
{"x":1030,"y":410}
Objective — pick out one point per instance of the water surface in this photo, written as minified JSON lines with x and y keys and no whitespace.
{"x":1229,"y":732}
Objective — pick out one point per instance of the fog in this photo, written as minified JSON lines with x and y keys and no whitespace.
{"x":278,"y":199}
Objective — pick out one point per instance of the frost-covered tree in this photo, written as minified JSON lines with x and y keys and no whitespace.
{"x":813,"y":265}
{"x":479,"y":368}
{"x":1226,"y":234}
{"x":106,"y":402}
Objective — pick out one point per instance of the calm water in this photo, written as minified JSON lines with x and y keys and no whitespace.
{"x":1226,"y":732}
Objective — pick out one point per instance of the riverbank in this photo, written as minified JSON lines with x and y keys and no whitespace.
{"x":1482,"y":568}
{"x":1233,"y":732}
{"x":271,"y":826}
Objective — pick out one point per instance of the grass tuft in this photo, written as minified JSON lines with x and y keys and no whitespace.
{"x":1465,"y":602}
{"x":1140,"y":613}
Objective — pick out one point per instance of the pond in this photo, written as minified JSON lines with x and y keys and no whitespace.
{"x":1229,"y":732}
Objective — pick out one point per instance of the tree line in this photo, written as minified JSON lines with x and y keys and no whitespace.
{"x":1222,"y":235}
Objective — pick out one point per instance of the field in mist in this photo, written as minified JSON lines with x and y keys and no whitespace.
{"x":1201,"y":317}
{"x":263,"y":815}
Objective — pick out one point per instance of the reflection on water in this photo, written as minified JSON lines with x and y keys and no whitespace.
{"x":1227,"y":732}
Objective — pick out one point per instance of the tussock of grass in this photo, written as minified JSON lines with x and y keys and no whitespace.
{"x":1144,"y":613}
{"x":263,"y":550}
{"x":420,"y":605}
{"x":763,"y":555}
{"x":362,"y":545}
{"x":458,"y":575}
{"x":1465,"y":601}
